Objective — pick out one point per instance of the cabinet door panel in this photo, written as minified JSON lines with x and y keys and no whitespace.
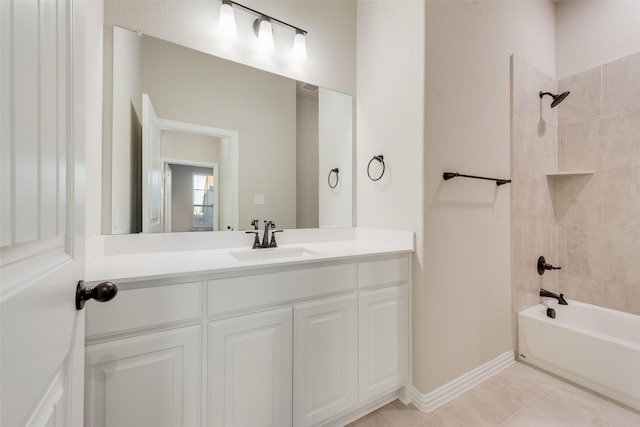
{"x":383,"y":341}
{"x":250,"y":370}
{"x":325,"y":359}
{"x":151,"y":380}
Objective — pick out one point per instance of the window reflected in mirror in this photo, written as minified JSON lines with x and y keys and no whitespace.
{"x":203,"y":202}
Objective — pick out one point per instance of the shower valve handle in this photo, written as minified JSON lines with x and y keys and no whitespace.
{"x":543,"y":265}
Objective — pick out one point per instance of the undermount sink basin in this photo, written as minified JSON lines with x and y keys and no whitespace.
{"x":271,"y":254}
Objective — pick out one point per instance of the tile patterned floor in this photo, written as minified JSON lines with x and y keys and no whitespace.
{"x":519,"y":396}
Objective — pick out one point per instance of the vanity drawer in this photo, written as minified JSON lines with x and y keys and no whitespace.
{"x":132,"y":309}
{"x":384,"y":272}
{"x":239,"y":293}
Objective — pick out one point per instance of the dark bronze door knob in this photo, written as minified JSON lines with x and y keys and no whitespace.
{"x":103,"y":292}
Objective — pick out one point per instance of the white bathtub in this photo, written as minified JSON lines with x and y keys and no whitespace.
{"x":593,"y":346}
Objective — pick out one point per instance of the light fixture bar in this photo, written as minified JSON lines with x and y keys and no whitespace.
{"x":260,"y":14}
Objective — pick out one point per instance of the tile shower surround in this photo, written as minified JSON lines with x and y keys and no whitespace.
{"x":599,"y":235}
{"x":533,"y":195}
{"x":588,"y":224}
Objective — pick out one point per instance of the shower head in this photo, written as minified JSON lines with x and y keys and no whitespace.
{"x":557,"y":99}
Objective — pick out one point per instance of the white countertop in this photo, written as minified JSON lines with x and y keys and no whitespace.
{"x":133,"y":264}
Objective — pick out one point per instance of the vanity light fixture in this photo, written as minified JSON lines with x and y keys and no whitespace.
{"x":263,"y":30}
{"x":262,"y":27}
{"x":227,"y":20}
{"x":299,"y":51}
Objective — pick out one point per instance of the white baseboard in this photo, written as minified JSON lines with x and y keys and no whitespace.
{"x":430,"y":401}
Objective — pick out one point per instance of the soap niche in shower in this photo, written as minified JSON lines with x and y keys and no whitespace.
{"x":571,"y":173}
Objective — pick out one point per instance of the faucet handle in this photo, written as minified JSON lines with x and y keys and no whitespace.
{"x":273,"y":238}
{"x":255,"y":223}
{"x":544,"y":265}
{"x":256,"y":239}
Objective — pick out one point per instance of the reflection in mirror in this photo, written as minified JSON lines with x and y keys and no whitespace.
{"x":288,"y":137}
{"x":188,"y":149}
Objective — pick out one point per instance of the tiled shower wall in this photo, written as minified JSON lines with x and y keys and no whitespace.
{"x":533,"y":194}
{"x":588,"y":224}
{"x":598,"y":215}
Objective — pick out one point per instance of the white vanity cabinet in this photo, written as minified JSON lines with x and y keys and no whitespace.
{"x":383,"y":326}
{"x":150,"y":380}
{"x":383,"y":335}
{"x":303,"y":345}
{"x":137,"y":374}
{"x":250,"y":368}
{"x":325,"y":366}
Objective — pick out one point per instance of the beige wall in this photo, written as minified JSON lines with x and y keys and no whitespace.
{"x":455,"y":224}
{"x":462,"y":306}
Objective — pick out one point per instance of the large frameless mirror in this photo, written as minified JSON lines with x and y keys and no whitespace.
{"x":200,"y":143}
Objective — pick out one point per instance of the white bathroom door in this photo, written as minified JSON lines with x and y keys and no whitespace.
{"x":152,"y":170}
{"x":41,"y":213}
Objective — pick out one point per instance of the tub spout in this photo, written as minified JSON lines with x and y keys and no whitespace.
{"x":560,"y":298}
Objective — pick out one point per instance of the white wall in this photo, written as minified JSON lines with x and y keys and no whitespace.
{"x":591,"y":33}
{"x":389,"y":111}
{"x":389,"y":120}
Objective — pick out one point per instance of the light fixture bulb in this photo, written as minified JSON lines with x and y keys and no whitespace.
{"x":299,"y":51}
{"x":265,"y":34}
{"x":227,"y":21}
